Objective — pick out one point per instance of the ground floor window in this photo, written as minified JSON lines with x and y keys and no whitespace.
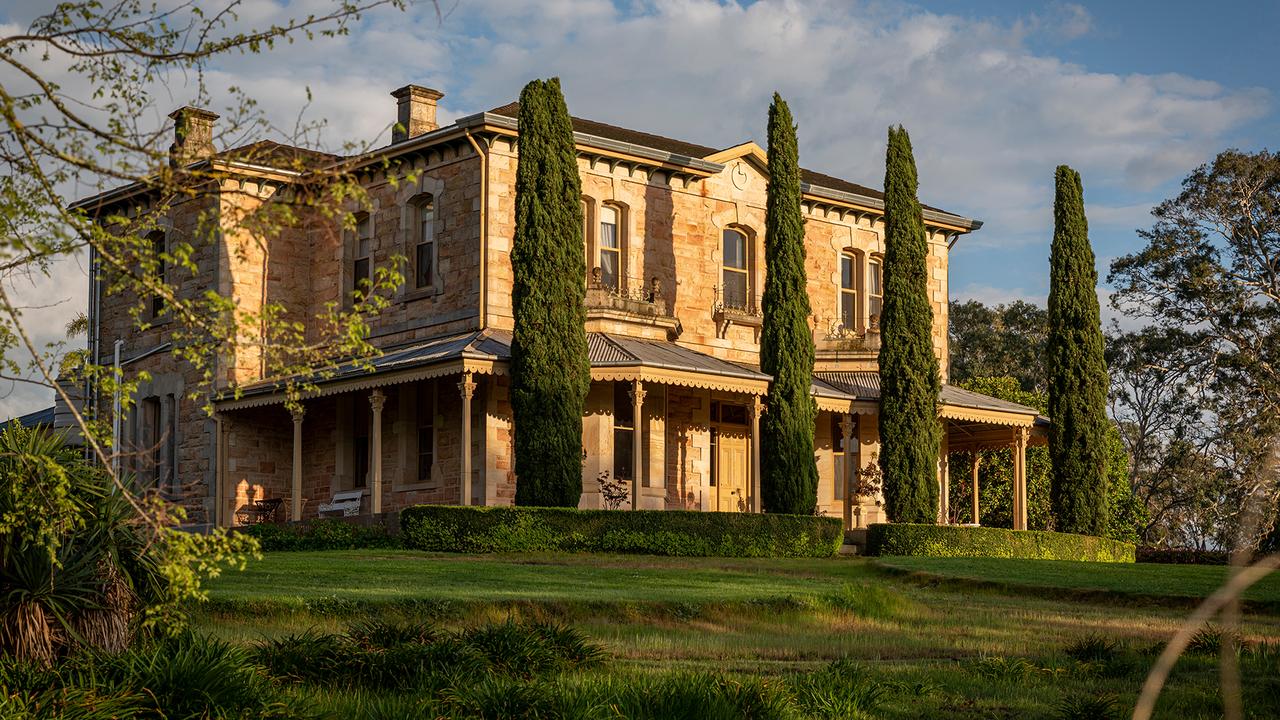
{"x":360,"y":445}
{"x":426,"y":430}
{"x":843,"y":455}
{"x":624,"y":428}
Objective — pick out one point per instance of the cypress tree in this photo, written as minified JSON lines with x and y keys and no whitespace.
{"x":550,"y":373}
{"x":789,"y":482}
{"x":1076,"y":368}
{"x":909,"y":380}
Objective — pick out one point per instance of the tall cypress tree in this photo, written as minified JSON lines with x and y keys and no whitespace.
{"x":550,"y":373}
{"x":909,"y":380}
{"x":1076,"y":368}
{"x":790,"y":477}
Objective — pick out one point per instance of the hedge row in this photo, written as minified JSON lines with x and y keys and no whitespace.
{"x":652,"y":532}
{"x":1183,"y":556}
{"x":961,"y":541}
{"x":321,"y":534}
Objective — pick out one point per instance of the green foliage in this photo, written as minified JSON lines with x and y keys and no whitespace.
{"x":79,"y":565}
{"x":322,"y":534}
{"x":789,"y":477}
{"x":1091,"y":707}
{"x":653,"y":532}
{"x":550,"y":373}
{"x":179,"y":678}
{"x":998,"y":341}
{"x":843,"y":689}
{"x":1078,"y":383}
{"x":909,"y":379}
{"x":872,"y":600}
{"x":958,"y":541}
{"x":379,"y":654}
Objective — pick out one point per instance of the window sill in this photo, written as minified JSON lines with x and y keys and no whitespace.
{"x":421,"y":293}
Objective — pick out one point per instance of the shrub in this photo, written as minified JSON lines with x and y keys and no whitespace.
{"x":322,"y":534}
{"x":957,"y":541}
{"x":842,"y":689}
{"x":182,"y":677}
{"x":654,"y":532}
{"x":874,"y":601}
{"x":1182,"y":556}
{"x":383,"y":655}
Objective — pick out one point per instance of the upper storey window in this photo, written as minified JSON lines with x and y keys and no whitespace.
{"x":734,"y":269}
{"x":362,"y":256}
{"x":424,"y":254}
{"x":159,"y":246}
{"x":848,"y":291}
{"x":875,"y":289}
{"x":610,"y":248}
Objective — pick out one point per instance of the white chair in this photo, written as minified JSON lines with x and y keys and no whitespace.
{"x":347,"y":502}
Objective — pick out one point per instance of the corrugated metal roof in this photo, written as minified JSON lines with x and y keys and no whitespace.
{"x":607,"y":350}
{"x":40,"y":418}
{"x":865,"y":385}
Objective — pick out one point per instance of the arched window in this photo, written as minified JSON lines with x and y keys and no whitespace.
{"x":610,"y":248}
{"x":849,"y":291}
{"x":424,"y":251}
{"x":875,"y":289}
{"x":735,"y":276}
{"x":362,"y":255}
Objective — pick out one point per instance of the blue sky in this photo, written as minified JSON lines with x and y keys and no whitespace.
{"x":1231,"y":44}
{"x":995,"y":94}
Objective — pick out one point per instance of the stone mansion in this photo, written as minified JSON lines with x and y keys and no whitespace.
{"x":675,"y":248}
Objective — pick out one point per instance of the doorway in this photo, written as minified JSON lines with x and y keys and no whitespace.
{"x":730,"y":468}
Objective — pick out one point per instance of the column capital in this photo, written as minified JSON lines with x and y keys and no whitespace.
{"x":467,"y":387}
{"x":846,"y":426}
{"x":637,"y":392}
{"x":755,"y":407}
{"x":377,"y":399}
{"x":298,"y":413}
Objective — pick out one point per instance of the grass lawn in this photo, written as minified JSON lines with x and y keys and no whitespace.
{"x":397,"y":576}
{"x":1131,"y":579}
{"x":939,"y":649}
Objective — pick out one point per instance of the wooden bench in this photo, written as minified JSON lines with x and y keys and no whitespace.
{"x":346,"y":502}
{"x":260,"y":511}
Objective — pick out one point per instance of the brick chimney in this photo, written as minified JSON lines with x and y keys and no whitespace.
{"x":415,"y":111}
{"x":192,"y":135}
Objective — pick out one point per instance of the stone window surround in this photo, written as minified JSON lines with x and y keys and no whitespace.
{"x":164,"y":227}
{"x":862,"y":287}
{"x":753,"y":259}
{"x":350,"y":238}
{"x":410,"y":198}
{"x":591,"y":237}
{"x":406,"y":430}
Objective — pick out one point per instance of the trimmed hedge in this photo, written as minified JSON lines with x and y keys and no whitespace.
{"x":1180,"y":556}
{"x":321,"y":534}
{"x":685,"y":533}
{"x":961,"y":541}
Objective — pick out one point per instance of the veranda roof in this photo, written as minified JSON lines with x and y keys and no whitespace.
{"x":612,"y":357}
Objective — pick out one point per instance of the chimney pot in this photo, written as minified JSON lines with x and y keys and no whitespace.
{"x":415,"y":111}
{"x":192,"y":135}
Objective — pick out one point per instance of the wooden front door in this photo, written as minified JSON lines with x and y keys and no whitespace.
{"x":732,"y":471}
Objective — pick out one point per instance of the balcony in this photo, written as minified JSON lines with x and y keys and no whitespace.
{"x":840,"y":342}
{"x":632,"y":301}
{"x":735,"y":306}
